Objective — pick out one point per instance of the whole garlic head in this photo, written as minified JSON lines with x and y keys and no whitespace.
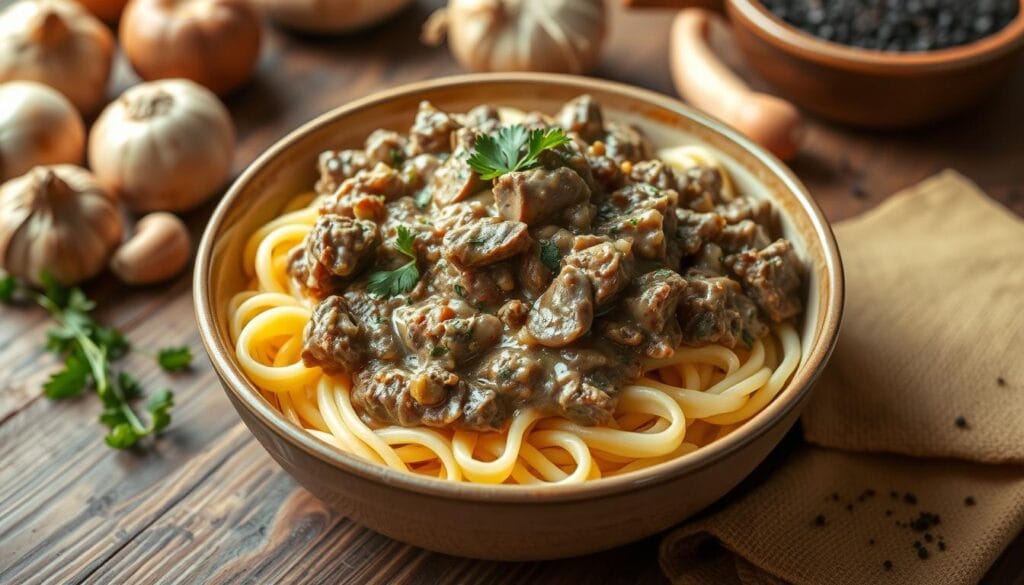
{"x":163,"y":146}
{"x":557,"y":36}
{"x":59,"y":220}
{"x":58,"y":43}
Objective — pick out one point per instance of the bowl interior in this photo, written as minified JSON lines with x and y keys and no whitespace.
{"x":289,"y":168}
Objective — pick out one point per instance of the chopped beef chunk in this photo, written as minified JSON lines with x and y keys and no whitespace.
{"x":701,"y":188}
{"x":645,"y":229}
{"x":312,"y":277}
{"x":481,"y":287}
{"x":431,"y":133}
{"x":484,"y":118}
{"x":582,"y":115}
{"x":374,"y":317}
{"x":538,"y":195}
{"x":512,"y":372}
{"x":418,"y":171}
{"x":336,"y":166}
{"x":513,"y":314}
{"x":715,"y":310}
{"x":646,"y":316}
{"x":461,"y":214}
{"x":486,"y":242}
{"x":384,"y":393}
{"x":564,"y":312}
{"x":364,"y":195}
{"x":332,"y":339}
{"x":386,"y":147}
{"x":625,"y":143}
{"x":535,"y":275}
{"x":570,"y":156}
{"x":695,"y":229}
{"x":609,"y":267}
{"x":756,"y":210}
{"x":771,"y":276}
{"x":453,"y":181}
{"x":656,"y":174}
{"x":585,"y":387}
{"x":343,"y":245}
{"x":745,"y":235}
{"x":607,"y":173}
{"x":447,"y":330}
{"x":708,"y":261}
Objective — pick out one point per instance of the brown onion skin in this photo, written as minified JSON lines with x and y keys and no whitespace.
{"x":215,"y":43}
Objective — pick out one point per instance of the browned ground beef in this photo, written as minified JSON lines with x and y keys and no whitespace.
{"x":543,"y":288}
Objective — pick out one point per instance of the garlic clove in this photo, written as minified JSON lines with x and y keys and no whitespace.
{"x":160,"y":248}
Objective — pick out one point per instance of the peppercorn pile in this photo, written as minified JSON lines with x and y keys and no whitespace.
{"x":897,"y":25}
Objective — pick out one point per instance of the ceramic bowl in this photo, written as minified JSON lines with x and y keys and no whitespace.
{"x":512,"y":522}
{"x":867,"y":87}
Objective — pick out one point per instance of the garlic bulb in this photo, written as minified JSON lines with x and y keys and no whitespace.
{"x":59,"y":220}
{"x":559,"y":36}
{"x":163,"y":146}
{"x":158,"y":250}
{"x":58,"y":43}
{"x":329,"y":16}
{"x":38,"y":126}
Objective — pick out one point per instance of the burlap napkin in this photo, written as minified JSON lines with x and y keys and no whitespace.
{"x":929,"y":367}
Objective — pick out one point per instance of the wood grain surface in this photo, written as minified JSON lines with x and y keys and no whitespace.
{"x":206,"y":504}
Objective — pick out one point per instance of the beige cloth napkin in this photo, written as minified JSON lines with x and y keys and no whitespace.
{"x":928,"y":377}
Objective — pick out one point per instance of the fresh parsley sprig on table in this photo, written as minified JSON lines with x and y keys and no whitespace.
{"x":513,"y":148}
{"x":87,"y":350}
{"x":390,"y":283}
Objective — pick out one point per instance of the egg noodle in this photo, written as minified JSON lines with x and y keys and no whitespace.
{"x":679,"y":404}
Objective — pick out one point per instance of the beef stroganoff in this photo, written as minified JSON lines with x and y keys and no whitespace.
{"x":503,"y":297}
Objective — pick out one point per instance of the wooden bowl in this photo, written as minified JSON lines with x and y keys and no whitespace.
{"x":867,"y":87}
{"x":512,"y":522}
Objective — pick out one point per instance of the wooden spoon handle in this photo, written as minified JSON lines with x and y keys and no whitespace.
{"x":706,"y":82}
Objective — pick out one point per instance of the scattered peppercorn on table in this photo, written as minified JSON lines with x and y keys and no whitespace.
{"x":204,"y":502}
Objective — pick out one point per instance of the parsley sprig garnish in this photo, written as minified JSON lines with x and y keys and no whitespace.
{"x":513,"y":148}
{"x":390,"y":283}
{"x":87,"y":350}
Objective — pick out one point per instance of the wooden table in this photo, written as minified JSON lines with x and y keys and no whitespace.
{"x":207,"y":503}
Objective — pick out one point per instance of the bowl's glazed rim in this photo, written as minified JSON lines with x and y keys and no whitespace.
{"x":246,"y":394}
{"x":774,"y":30}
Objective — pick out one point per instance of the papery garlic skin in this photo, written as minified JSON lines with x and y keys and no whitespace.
{"x":163,"y":146}
{"x":60,"y":44}
{"x":557,"y":36}
{"x":38,"y":126}
{"x":59,"y":220}
{"x":329,"y":16}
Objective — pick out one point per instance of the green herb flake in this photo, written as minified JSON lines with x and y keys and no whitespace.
{"x":512,"y":148}
{"x":391,"y":283}
{"x":438,"y":351}
{"x":8,"y":285}
{"x":174,"y":359}
{"x":550,"y":256}
{"x":460,"y":290}
{"x":424,"y":197}
{"x":505,"y":374}
{"x":748,"y":339}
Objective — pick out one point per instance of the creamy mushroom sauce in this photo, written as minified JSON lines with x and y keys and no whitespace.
{"x":545,"y":288}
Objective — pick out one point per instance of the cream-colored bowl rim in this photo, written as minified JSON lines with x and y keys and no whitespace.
{"x":224,"y":361}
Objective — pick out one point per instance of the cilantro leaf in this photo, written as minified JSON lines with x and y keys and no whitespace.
{"x":512,"y":149}
{"x":8,"y":286}
{"x":122,"y":436}
{"x":130,"y":387}
{"x":175,"y":359}
{"x":159,"y":407}
{"x":69,"y":382}
{"x":550,"y":256}
{"x":390,"y":283}
{"x":112,"y":340}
